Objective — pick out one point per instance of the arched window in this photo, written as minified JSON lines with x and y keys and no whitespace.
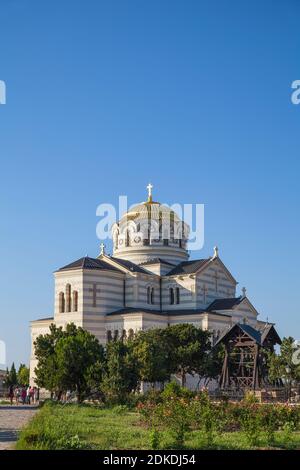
{"x":61,"y":302}
{"x":116,"y":334}
{"x":109,"y":335}
{"x":127,"y":239}
{"x":68,"y":298}
{"x":124,"y":335}
{"x":171,"y":291}
{"x":148,"y":295}
{"x":152,"y":296}
{"x":177,"y":295}
{"x":75,"y":300}
{"x":130,"y":333}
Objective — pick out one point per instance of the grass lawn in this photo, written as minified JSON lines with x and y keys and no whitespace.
{"x":88,"y":427}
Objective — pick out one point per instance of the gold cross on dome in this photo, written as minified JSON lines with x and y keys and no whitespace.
{"x":150,"y":187}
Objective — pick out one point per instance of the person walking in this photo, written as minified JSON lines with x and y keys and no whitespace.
{"x":35,"y":395}
{"x":23,"y":395}
{"x":31,"y":395}
{"x":28,"y":395}
{"x":17,"y":395}
{"x":11,"y":394}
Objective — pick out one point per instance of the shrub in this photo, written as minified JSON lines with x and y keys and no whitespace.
{"x":174,"y":414}
{"x":250,"y":422}
{"x":269,"y":418}
{"x":154,"y":439}
{"x":207,"y":416}
{"x":173,"y":389}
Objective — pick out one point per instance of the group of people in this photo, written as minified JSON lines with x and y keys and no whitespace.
{"x":25,"y":395}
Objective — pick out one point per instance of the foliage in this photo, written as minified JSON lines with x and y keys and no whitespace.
{"x":283,"y":365}
{"x":207,"y":417}
{"x":189,"y":347}
{"x":23,"y":375}
{"x":173,"y":413}
{"x":11,"y":376}
{"x":57,"y":426}
{"x":152,"y":355}
{"x":69,"y":360}
{"x":121,"y":372}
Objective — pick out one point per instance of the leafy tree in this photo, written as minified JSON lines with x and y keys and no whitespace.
{"x":152,"y":356}
{"x":45,"y":352}
{"x":69,"y":360}
{"x":79,"y":358}
{"x":188,"y":348}
{"x":23,"y":375}
{"x":211,"y":365}
{"x":121,"y":375}
{"x":283,"y":365}
{"x":11,"y":377}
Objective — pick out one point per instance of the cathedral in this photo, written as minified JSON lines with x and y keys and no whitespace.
{"x":149,"y":281}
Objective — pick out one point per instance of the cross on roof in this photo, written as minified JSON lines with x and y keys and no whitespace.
{"x":150,"y":187}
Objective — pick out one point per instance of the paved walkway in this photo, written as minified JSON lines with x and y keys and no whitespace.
{"x":12,"y":419}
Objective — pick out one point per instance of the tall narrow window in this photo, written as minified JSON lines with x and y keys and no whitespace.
{"x":127,"y":241}
{"x":68,"y":298}
{"x":171,"y":291}
{"x":152,"y":295}
{"x":61,"y":302}
{"x":116,"y":334}
{"x":148,"y":295}
{"x":75,"y":300}
{"x":177,"y":295}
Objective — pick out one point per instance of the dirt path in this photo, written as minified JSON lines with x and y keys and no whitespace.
{"x":12,"y":419}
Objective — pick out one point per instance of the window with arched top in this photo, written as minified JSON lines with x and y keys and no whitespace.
{"x":68,"y":298}
{"x":75,"y":300}
{"x":124,"y":335}
{"x":109,"y":335}
{"x":116,"y":334}
{"x":177,"y":295}
{"x":61,"y":302}
{"x":152,"y":296}
{"x":127,"y":238}
{"x":171,"y":294}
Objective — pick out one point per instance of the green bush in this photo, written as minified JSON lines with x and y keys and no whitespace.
{"x":208,"y":417}
{"x":173,"y":389}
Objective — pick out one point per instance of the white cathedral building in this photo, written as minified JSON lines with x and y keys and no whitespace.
{"x":149,"y":281}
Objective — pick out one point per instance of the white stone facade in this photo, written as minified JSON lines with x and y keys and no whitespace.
{"x":145,"y":286}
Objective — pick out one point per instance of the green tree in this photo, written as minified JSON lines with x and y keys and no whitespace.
{"x":23,"y":375}
{"x":79,"y":358}
{"x":152,"y":355}
{"x":283,"y":365}
{"x":121,"y":375}
{"x":11,"y":378}
{"x":189,"y":347}
{"x":46,"y":371}
{"x":70,"y":359}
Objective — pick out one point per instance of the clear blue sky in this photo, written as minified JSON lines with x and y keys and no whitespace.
{"x":103,"y":97}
